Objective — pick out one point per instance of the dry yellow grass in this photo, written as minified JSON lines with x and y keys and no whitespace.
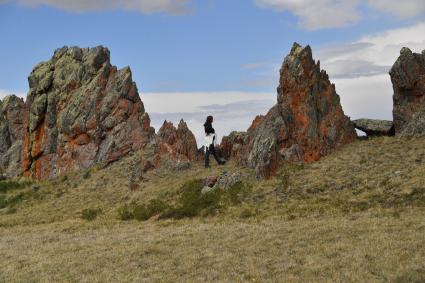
{"x":357,"y":215}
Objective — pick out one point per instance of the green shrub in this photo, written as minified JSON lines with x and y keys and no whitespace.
{"x":247,"y":213}
{"x":3,"y":202}
{"x":90,"y":214}
{"x":145,"y":212}
{"x":11,"y":201}
{"x":6,"y":186}
{"x":191,"y":202}
{"x":125,"y":213}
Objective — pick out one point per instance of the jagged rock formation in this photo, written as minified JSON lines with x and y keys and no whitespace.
{"x":408,"y":78}
{"x":175,"y":148}
{"x":231,"y":146}
{"x":11,"y":110}
{"x":306,"y":123}
{"x":80,"y":110}
{"x":375,"y":128}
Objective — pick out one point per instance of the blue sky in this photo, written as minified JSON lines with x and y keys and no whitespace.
{"x":218,"y":52}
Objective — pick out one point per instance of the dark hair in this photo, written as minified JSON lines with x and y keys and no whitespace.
{"x":209,"y":120}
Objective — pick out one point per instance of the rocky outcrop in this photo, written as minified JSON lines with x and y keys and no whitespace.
{"x":375,"y":128}
{"x":80,"y":110}
{"x":231,"y":146}
{"x":175,"y":148}
{"x":408,"y":78}
{"x":306,"y":123}
{"x":11,"y":111}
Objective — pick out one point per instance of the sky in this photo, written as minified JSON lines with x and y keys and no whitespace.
{"x":192,"y":58}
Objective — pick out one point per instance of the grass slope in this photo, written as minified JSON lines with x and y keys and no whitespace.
{"x":356,"y":215}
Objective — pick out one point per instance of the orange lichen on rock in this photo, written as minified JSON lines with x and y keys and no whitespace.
{"x":80,"y":111}
{"x":306,"y":123}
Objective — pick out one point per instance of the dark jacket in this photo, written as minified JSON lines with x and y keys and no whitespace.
{"x":209,"y":128}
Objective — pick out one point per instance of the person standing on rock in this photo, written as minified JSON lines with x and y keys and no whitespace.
{"x":210,"y":141}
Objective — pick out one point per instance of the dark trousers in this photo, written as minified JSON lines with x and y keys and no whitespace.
{"x":208,"y":151}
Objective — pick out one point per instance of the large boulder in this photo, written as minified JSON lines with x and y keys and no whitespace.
{"x":11,"y":113}
{"x":408,"y":78}
{"x":374,"y":127}
{"x":174,"y":148}
{"x":306,"y":123}
{"x":81,"y":110}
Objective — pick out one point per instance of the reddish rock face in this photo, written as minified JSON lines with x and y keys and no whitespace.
{"x":175,"y":147}
{"x":11,"y":119}
{"x":80,"y":110}
{"x":231,"y":146}
{"x":408,"y":78}
{"x":306,"y":123}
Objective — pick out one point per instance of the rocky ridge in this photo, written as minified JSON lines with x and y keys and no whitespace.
{"x":306,"y":123}
{"x":174,"y":148}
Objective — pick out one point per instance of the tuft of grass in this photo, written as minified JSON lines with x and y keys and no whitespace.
{"x":11,"y":185}
{"x":90,"y":214}
{"x":125,"y":212}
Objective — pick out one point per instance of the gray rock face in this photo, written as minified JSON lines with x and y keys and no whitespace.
{"x":11,"y":120}
{"x":81,"y":110}
{"x":373,"y":127}
{"x":408,"y":78}
{"x":416,"y":127}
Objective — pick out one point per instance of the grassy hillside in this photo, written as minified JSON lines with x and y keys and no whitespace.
{"x":356,"y":215}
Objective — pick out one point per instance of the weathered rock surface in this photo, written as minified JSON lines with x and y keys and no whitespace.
{"x":175,"y":148}
{"x":408,"y":78}
{"x":11,"y":111}
{"x":306,"y":123}
{"x":80,"y":110}
{"x":224,"y":181}
{"x":416,"y":127}
{"x":374,"y":127}
{"x":231,"y":146}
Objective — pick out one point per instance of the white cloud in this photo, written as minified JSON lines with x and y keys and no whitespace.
{"x":321,"y":14}
{"x":366,"y":97}
{"x":372,"y":54}
{"x":317,"y":14}
{"x":231,"y":110}
{"x":174,"y":7}
{"x":360,"y":69}
{"x":402,"y":9}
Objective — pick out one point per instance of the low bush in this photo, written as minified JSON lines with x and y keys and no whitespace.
{"x":125,"y":213}
{"x":191,"y":202}
{"x":90,"y":214}
{"x":145,"y":212}
{"x":10,"y":185}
